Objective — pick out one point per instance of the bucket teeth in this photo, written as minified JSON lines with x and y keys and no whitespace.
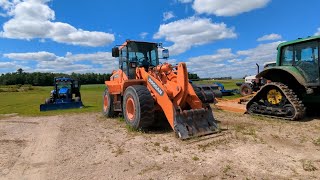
{"x":194,"y":123}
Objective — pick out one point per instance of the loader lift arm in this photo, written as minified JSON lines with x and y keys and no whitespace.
{"x":184,"y":111}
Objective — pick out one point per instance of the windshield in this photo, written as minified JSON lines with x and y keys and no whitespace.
{"x":304,"y":56}
{"x":143,"y":52}
{"x":64,"y":84}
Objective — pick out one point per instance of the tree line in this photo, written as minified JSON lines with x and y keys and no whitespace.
{"x":46,"y":79}
{"x":193,"y":76}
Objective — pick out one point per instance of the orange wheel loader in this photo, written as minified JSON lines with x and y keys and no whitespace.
{"x":142,"y":88}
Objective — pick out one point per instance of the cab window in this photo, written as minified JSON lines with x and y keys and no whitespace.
{"x":287,"y":56}
{"x":123,"y":60}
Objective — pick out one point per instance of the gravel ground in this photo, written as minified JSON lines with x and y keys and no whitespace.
{"x":89,"y":146}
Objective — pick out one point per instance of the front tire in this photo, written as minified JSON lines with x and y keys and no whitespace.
{"x":108,"y":109}
{"x":245,"y":89}
{"x":138,"y":107}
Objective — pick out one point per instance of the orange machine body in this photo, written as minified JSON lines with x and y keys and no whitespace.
{"x":172,"y":93}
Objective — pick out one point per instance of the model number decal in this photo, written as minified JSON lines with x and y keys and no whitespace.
{"x":155,"y":86}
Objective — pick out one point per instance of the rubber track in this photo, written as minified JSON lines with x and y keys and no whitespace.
{"x":291,"y":97}
{"x":146,"y":106}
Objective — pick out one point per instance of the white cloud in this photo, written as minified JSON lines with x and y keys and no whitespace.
{"x":185,"y":1}
{"x":168,"y":15}
{"x":236,"y":64}
{"x":7,"y":65}
{"x":221,"y":55}
{"x":270,"y":37}
{"x":37,"y":56}
{"x":34,"y":19}
{"x":193,"y":31}
{"x":143,"y":35}
{"x":227,"y":7}
{"x":49,"y":62}
{"x":317,"y":33}
{"x":170,"y":61}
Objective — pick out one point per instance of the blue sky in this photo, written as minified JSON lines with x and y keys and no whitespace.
{"x":214,"y":37}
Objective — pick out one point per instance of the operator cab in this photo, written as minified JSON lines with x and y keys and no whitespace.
{"x":65,"y":87}
{"x":133,"y":54}
{"x":305,"y":57}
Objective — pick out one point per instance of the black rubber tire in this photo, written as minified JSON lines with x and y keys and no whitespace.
{"x":199,"y":93}
{"x":143,"y":105}
{"x":209,"y":96}
{"x":217,"y":93}
{"x":245,"y":89}
{"x":290,"y":110}
{"x":253,"y":108}
{"x":107,"y":107}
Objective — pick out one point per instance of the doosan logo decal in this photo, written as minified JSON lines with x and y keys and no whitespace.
{"x":155,"y":86}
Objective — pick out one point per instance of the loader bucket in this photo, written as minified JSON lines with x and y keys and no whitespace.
{"x":57,"y":106}
{"x":194,"y":123}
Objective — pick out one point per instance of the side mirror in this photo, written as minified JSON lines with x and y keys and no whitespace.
{"x":115,"y":52}
{"x":165,"y":54}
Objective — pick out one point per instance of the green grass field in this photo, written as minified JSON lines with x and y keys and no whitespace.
{"x":27,"y":103}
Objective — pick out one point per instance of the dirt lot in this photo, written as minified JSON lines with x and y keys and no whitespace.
{"x":88,"y":146}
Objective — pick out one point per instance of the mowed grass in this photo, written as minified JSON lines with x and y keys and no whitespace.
{"x":28,"y":103}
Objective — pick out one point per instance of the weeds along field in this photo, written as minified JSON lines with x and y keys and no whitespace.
{"x":25,"y":100}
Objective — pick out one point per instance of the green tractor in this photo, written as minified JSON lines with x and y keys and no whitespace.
{"x":293,"y":84}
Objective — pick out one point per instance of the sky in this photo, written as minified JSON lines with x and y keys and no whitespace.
{"x":215,"y":38}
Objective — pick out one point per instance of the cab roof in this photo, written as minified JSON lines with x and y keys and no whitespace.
{"x":299,"y":40}
{"x":63,"y":79}
{"x":129,"y":41}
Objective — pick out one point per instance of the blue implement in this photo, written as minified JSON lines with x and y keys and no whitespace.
{"x":57,"y":106}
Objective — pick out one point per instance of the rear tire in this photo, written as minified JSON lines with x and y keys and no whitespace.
{"x":245,"y":89}
{"x":199,"y":93}
{"x":108,"y":109}
{"x":138,"y":107}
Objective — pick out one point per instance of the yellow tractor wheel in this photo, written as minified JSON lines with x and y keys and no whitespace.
{"x":274,"y":97}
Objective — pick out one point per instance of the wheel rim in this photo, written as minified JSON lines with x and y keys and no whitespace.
{"x":245,"y":91}
{"x":274,"y":96}
{"x":130,"y":109}
{"x":253,"y":108}
{"x":290,"y":111}
{"x":105,"y":102}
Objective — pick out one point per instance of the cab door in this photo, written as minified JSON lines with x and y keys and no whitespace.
{"x":306,"y":59}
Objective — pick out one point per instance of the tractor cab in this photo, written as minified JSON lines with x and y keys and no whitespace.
{"x":64,"y":88}
{"x":304,"y":56}
{"x":134,"y":54}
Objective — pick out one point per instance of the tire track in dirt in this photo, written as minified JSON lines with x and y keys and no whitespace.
{"x":39,"y":154}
